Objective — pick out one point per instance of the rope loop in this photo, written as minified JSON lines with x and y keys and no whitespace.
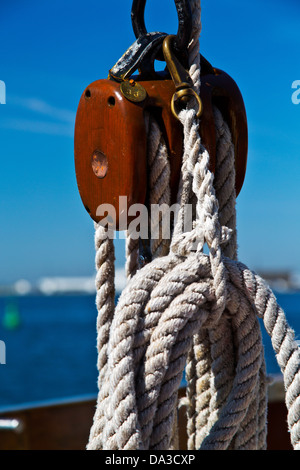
{"x":187,"y":311}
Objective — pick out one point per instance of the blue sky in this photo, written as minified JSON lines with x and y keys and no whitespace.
{"x":50,"y":51}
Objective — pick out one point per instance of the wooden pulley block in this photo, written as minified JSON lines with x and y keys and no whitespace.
{"x":220,"y":90}
{"x":111,"y":144}
{"x":111,"y":138}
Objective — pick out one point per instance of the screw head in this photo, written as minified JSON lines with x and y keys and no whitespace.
{"x":99,"y":164}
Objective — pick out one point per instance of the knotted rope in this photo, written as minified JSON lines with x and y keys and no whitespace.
{"x":187,"y":309}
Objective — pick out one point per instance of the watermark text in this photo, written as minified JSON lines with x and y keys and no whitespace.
{"x":2,"y":352}
{"x":2,"y":92}
{"x":142,"y":222}
{"x":296,"y":93}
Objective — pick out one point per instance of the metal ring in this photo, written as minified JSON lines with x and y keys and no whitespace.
{"x":185,"y":21}
{"x":186,"y":92}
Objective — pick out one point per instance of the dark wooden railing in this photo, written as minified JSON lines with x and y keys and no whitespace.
{"x":65,"y":424}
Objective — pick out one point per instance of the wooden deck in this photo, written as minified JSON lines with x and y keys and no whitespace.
{"x":65,"y":424}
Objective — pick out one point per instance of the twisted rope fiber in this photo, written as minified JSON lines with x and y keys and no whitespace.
{"x":209,"y":385}
{"x":176,"y":277}
{"x":211,"y":361}
{"x":168,"y":287}
{"x":246,"y":290}
{"x":159,"y":194}
{"x":159,"y":169}
{"x":173,"y":307}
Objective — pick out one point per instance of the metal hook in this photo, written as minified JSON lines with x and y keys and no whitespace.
{"x":182,"y":81}
{"x":184,"y":12}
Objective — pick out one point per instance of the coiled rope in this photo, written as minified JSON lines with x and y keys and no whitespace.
{"x":189,"y":310}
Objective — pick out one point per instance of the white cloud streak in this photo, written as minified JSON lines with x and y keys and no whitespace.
{"x":60,"y":121}
{"x":41,"y":107}
{"x":38,"y":127}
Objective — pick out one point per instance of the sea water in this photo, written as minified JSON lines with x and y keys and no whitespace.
{"x":51,"y":346}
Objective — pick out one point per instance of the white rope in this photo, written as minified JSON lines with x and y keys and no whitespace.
{"x":159,"y":194}
{"x":195,"y":310}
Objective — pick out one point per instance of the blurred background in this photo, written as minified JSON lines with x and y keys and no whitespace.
{"x":49,"y":53}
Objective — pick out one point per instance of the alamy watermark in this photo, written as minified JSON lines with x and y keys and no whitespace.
{"x":2,"y":352}
{"x":296,"y":94}
{"x":140,"y":221}
{"x":2,"y":92}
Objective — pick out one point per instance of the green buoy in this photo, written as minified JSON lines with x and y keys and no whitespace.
{"x":11,"y":319}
